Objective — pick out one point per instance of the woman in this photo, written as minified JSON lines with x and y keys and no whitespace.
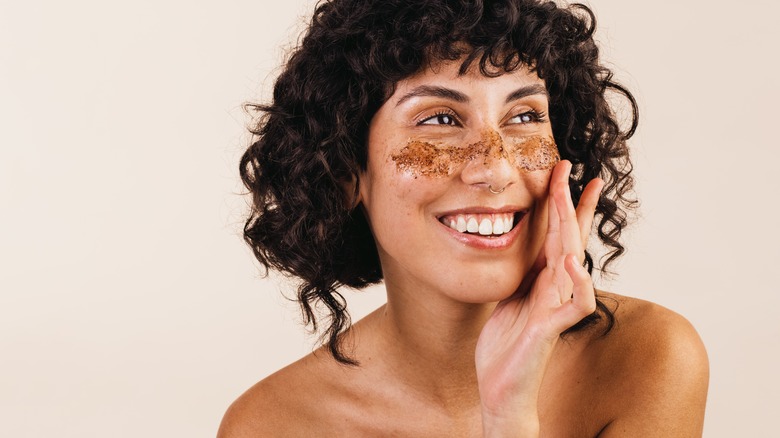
{"x":459,"y":151}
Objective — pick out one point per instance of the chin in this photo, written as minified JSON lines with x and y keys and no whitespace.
{"x":480,"y":289}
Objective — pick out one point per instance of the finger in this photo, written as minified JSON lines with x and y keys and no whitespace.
{"x":571,"y":239}
{"x":559,"y":176}
{"x":583,"y":298}
{"x":583,"y":295}
{"x":565,"y":217}
{"x":552,"y":241}
{"x":586,"y":208}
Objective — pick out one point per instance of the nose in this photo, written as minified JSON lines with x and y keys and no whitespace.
{"x":490,"y":167}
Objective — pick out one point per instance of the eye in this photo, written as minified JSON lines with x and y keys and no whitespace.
{"x":528,"y":117}
{"x":440,"y":119}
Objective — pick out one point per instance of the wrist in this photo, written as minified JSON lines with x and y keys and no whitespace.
{"x":517,"y":423}
{"x":517,"y":427}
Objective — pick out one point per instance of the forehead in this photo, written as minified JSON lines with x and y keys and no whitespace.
{"x":448,"y":74}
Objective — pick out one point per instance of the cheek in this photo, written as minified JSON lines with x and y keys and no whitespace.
{"x":396,"y":199}
{"x":533,"y":154}
{"x":537,"y":184}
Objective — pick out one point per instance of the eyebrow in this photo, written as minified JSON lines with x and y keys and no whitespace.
{"x":434,"y":91}
{"x":457,"y":96}
{"x":525,"y":91}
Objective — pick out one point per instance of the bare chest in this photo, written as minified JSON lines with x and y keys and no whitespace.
{"x":569,"y":406}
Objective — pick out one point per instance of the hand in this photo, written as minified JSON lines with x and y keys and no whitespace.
{"x":517,"y":341}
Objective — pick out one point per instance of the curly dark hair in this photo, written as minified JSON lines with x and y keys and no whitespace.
{"x":311,"y":141}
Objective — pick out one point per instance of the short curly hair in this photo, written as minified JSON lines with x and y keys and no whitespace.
{"x":311,"y":141}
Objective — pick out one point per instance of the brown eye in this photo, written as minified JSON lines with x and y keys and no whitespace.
{"x":440,"y":119}
{"x":524,"y":118}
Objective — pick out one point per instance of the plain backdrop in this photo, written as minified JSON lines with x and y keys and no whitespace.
{"x":129,"y":305}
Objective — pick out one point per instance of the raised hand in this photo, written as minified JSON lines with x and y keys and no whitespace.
{"x":517,"y":341}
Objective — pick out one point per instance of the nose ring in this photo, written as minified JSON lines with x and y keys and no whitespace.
{"x":496,"y":192}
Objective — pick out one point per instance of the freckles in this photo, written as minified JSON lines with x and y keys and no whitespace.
{"x":528,"y":154}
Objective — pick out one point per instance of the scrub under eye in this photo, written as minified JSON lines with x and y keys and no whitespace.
{"x":527,"y":154}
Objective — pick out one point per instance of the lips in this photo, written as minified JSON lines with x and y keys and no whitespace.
{"x":485,"y":228}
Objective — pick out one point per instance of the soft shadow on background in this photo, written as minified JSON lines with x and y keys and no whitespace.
{"x":129,"y":305}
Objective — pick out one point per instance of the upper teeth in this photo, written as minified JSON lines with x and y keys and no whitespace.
{"x":484,"y":224}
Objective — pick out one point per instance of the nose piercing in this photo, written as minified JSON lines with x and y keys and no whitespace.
{"x":496,"y":192}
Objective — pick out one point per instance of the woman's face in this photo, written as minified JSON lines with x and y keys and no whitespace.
{"x":455,"y":188}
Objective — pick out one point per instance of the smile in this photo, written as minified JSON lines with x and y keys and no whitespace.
{"x":492,"y":224}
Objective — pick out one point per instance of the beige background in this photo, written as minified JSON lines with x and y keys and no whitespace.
{"x":129,"y":305}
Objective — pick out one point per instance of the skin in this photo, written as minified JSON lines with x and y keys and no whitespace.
{"x":468,"y":343}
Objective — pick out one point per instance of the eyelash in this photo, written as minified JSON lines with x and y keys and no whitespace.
{"x":440,"y":114}
{"x":536,"y":117}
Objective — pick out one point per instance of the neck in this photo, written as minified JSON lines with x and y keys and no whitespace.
{"x":428,"y":342}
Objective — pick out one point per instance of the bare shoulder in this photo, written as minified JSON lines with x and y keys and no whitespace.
{"x":275,"y":406}
{"x":654,"y":335}
{"x":660,"y":369}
